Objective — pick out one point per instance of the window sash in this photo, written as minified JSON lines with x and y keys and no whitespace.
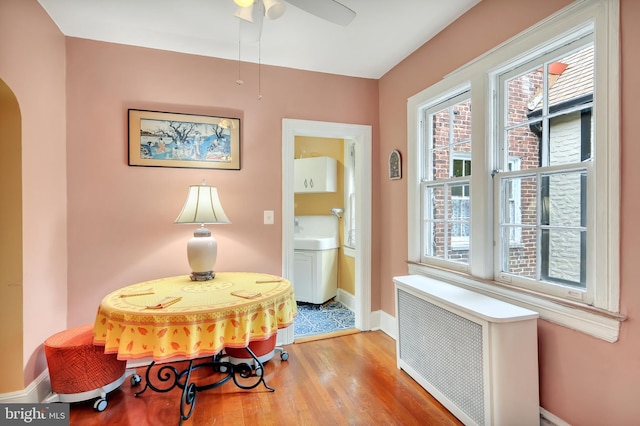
{"x":537,"y":279}
{"x":440,"y":241}
{"x":535,"y":249}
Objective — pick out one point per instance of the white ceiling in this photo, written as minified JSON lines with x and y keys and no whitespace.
{"x":383,"y":33}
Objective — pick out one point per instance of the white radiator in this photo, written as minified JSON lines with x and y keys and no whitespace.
{"x":477,"y":355}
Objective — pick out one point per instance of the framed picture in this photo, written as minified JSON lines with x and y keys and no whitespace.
{"x":395,"y":165}
{"x":165,"y":139}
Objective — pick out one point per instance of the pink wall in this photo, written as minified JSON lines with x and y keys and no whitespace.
{"x":32,"y":64}
{"x":583,"y":380}
{"x":121,"y":218}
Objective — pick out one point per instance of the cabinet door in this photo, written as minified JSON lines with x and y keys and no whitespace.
{"x":315,"y":174}
{"x":300,"y":177}
{"x":304,"y":275}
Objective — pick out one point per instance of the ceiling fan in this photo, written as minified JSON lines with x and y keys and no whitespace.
{"x":252,"y":13}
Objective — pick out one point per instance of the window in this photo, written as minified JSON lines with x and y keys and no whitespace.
{"x":445,"y":179}
{"x":511,"y":200}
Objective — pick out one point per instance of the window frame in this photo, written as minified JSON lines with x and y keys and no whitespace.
{"x":601,"y":318}
{"x":349,"y":217}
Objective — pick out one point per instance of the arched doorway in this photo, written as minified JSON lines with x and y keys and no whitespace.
{"x":11,"y":242}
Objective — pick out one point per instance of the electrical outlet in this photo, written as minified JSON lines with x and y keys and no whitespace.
{"x":268,"y":217}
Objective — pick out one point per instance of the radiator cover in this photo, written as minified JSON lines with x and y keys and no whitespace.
{"x":475,"y":354}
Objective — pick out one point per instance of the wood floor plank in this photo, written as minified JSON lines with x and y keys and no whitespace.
{"x":346,"y":380}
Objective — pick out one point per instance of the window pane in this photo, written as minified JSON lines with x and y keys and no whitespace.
{"x":524,"y":94}
{"x":565,"y":260}
{"x":519,"y":258}
{"x":434,"y":213}
{"x":446,"y":222}
{"x":461,"y":122}
{"x":519,"y":195}
{"x":434,"y":203}
{"x":458,"y":247}
{"x":571,"y":79}
{"x":563,"y":199}
{"x":440,"y":160}
{"x":569,"y":136}
{"x":450,"y":137}
{"x":523,"y":143}
{"x":460,"y":208}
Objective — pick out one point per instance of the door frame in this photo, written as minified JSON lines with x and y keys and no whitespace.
{"x":361,"y":135}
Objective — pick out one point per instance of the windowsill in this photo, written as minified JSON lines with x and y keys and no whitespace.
{"x":595,"y":322}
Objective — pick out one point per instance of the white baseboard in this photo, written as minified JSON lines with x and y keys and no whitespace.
{"x":347,"y":299}
{"x":380,"y":320}
{"x":547,"y":418}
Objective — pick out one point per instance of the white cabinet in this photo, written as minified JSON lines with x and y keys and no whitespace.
{"x":315,"y":277}
{"x":315,"y":174}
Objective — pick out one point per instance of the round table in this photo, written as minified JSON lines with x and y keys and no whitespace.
{"x":176,"y":318}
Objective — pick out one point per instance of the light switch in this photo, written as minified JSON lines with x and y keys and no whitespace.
{"x":268,"y":217}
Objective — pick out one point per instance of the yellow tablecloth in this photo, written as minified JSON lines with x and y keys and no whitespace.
{"x":206,"y":319}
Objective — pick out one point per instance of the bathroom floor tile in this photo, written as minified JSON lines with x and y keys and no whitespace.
{"x":322,"y":319}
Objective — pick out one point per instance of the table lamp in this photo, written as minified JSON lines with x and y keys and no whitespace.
{"x":202,"y":206}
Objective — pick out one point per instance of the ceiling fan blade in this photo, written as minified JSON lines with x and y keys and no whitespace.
{"x":329,"y":10}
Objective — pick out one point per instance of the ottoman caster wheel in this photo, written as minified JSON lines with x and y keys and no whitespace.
{"x":284,"y":356}
{"x":100,"y":404}
{"x":135,"y":380}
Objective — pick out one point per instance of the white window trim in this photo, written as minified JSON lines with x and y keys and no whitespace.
{"x":603,"y":320}
{"x":349,"y":197}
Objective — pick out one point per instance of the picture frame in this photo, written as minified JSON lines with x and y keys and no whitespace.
{"x":395,"y":165}
{"x":168,"y":139}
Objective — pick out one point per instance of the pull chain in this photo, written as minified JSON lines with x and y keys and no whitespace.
{"x":239,"y":81}
{"x":259,"y":68}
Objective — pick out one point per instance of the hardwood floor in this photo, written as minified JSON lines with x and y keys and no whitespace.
{"x":345,"y":380}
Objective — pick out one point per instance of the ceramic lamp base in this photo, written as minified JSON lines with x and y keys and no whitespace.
{"x":202,"y":251}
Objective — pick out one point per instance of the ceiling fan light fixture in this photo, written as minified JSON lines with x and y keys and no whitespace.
{"x":245,"y":13}
{"x":274,"y":8}
{"x":243,"y":3}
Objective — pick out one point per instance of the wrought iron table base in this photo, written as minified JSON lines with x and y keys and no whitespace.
{"x":172,"y":377}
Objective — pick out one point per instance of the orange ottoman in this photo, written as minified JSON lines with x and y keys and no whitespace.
{"x":79,"y":368}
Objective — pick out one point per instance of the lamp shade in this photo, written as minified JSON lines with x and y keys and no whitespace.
{"x":202,"y":206}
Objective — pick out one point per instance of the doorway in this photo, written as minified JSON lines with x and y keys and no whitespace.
{"x":361,"y":136}
{"x":11,"y":246}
